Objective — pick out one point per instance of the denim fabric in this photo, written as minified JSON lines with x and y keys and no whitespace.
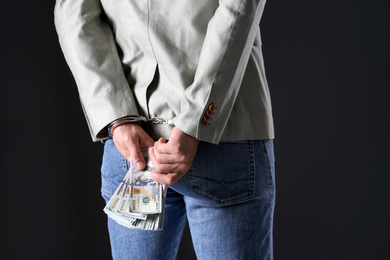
{"x":228,"y":197}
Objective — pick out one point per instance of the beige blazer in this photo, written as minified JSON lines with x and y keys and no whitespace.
{"x":196,"y":62}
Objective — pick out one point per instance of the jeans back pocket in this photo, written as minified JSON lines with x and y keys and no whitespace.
{"x":223,"y":173}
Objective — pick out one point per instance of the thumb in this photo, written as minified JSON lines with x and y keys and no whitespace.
{"x":136,"y":157}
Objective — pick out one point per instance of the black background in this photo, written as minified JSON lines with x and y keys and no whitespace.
{"x":327,"y":64}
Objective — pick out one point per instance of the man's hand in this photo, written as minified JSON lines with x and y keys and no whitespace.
{"x":128,"y":139}
{"x":172,"y":160}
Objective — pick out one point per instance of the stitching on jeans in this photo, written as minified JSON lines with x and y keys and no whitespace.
{"x":124,"y":164}
{"x":253,"y":175}
{"x":248,"y":194}
{"x":270,"y":184}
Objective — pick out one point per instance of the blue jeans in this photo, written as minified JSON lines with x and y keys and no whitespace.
{"x":228,"y":197}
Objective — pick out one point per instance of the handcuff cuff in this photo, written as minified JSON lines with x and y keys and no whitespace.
{"x":137,"y":119}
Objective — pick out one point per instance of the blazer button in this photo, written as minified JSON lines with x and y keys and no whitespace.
{"x":206,"y":117}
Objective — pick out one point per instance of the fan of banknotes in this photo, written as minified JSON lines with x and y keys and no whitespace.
{"x":139,"y":201}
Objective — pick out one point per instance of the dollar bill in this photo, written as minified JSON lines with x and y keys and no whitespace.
{"x":146,"y":194}
{"x":138,"y":201}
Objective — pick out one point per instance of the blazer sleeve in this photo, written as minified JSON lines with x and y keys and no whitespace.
{"x":89,"y":48}
{"x":225,"y":53}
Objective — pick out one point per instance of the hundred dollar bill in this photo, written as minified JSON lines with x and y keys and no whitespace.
{"x":153,"y":221}
{"x":146,"y":194}
{"x":113,"y":206}
{"x":139,"y":201}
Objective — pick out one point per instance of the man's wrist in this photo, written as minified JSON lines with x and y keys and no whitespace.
{"x":124,"y":120}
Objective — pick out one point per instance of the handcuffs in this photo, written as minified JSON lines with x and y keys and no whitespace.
{"x":134,"y":119}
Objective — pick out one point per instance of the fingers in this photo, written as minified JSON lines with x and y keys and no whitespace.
{"x":171,"y":160}
{"x":129,"y":139}
{"x":176,"y":156}
{"x":162,"y":146}
{"x":166,"y":158}
{"x":166,"y":178}
{"x":166,"y":163}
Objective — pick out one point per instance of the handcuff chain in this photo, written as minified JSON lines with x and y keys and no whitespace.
{"x":157,"y":120}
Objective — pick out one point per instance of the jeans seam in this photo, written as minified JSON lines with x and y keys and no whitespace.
{"x":253,"y":175}
{"x":124,"y":164}
{"x":270,"y":184}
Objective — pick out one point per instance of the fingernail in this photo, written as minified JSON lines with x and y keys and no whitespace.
{"x":140,"y":165}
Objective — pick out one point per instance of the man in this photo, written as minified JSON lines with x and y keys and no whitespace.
{"x":198,"y":65}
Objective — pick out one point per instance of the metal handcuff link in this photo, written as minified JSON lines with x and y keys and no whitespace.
{"x":133,"y":119}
